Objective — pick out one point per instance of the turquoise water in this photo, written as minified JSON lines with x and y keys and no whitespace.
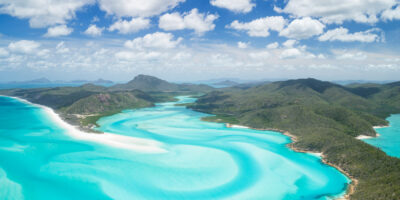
{"x":389,"y":139}
{"x":203,"y":160}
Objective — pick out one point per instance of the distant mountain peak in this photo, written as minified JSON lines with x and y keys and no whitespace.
{"x":226,"y":83}
{"x":102,"y":81}
{"x":146,"y":79}
{"x":151,"y":83}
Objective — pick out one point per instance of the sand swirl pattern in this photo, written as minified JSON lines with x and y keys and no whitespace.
{"x":200,"y":160}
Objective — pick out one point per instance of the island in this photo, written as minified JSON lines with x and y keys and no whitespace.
{"x":319,"y":116}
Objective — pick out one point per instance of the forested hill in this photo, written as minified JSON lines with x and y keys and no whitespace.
{"x":84,"y":105}
{"x":152,"y":84}
{"x":325,"y":117}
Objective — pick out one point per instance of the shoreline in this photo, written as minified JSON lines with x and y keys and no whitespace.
{"x":109,"y":139}
{"x":384,"y":126}
{"x":363,"y":137}
{"x":151,"y":146}
{"x":350,"y":188}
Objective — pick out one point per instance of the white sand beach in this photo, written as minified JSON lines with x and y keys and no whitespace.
{"x":114,"y":140}
{"x":236,"y":126}
{"x":362,"y":137}
{"x":376,"y":127}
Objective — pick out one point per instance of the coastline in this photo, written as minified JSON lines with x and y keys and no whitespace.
{"x":384,"y":126}
{"x":151,"y":146}
{"x":109,"y":139}
{"x":350,"y":188}
{"x":363,"y":137}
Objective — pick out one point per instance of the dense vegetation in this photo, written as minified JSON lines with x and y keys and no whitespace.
{"x":150,"y":83}
{"x":84,"y":105}
{"x":325,"y":117}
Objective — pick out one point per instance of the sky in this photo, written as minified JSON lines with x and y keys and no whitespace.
{"x":191,"y":40}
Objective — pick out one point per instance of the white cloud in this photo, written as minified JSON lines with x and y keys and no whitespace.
{"x":261,"y":55}
{"x":132,"y":26}
{"x":239,"y":6}
{"x":260,"y":27}
{"x":171,"y":21}
{"x":273,"y":45}
{"x":182,"y":56}
{"x":137,"y":56}
{"x":3,"y":52}
{"x":202,"y":61}
{"x":43,"y":13}
{"x":199,"y":22}
{"x":338,"y":11}
{"x":343,"y":35}
{"x":44,"y":53}
{"x":93,"y":30}
{"x":351,"y":56}
{"x":303,"y":28}
{"x":391,"y":14}
{"x":95,"y":19}
{"x":321,"y":56}
{"x":290,"y":53}
{"x":289,"y":43}
{"x":56,"y":31}
{"x":242,"y":45}
{"x":156,"y":40}
{"x":137,"y":8}
{"x":24,"y":46}
{"x":60,"y":48}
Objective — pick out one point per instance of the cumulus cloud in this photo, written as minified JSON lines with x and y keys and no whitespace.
{"x":3,"y":52}
{"x":351,"y":56}
{"x":242,"y":45}
{"x":56,"y":31}
{"x":239,"y":6}
{"x":343,"y":35}
{"x":24,"y":46}
{"x":289,"y":43}
{"x":44,"y":53}
{"x":391,"y":14}
{"x":132,"y":26}
{"x":290,"y":53}
{"x":94,"y":31}
{"x":338,"y":11}
{"x":43,"y":13}
{"x":273,"y":45}
{"x":171,"y":21}
{"x":260,"y":27}
{"x":158,"y":40}
{"x":199,"y":22}
{"x":303,"y":28}
{"x":261,"y":55}
{"x":202,"y":60}
{"x":137,"y":8}
{"x":137,"y":56}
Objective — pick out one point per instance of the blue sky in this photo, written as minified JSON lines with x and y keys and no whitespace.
{"x":188,"y":40}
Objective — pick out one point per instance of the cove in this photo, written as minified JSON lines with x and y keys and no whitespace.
{"x":389,"y":139}
{"x":202,"y":160}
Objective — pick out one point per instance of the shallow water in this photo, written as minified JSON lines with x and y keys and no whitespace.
{"x":203,"y":160}
{"x":389,"y":139}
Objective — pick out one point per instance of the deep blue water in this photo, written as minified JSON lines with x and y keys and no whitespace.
{"x":389,"y":139}
{"x":202,"y":160}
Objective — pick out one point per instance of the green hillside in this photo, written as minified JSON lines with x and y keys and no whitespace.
{"x":84,"y":105}
{"x":326,"y":118}
{"x":152,"y":84}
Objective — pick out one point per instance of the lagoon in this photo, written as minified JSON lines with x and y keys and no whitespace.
{"x":200,"y":160}
{"x":389,"y":137}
